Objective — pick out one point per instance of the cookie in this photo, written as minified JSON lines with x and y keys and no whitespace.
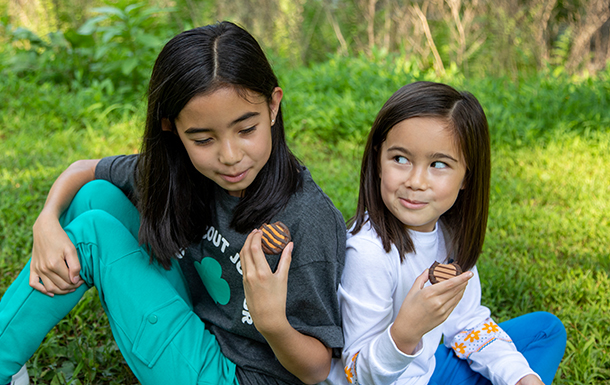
{"x":275,"y":237}
{"x":441,"y":272}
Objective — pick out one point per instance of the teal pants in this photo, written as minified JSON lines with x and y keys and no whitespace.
{"x":161,"y":338}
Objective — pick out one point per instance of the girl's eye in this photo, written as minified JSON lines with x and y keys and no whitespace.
{"x":248,"y":130}
{"x":401,"y":160}
{"x":439,"y":164}
{"x":203,"y":141}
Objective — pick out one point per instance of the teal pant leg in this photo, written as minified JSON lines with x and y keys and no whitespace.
{"x":103,"y":195}
{"x":26,"y":316}
{"x":161,"y":338}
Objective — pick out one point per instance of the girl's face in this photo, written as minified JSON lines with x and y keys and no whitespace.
{"x":422,"y":172}
{"x":227,"y":137}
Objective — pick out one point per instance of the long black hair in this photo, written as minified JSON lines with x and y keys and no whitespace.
{"x":466,"y":220}
{"x":176,"y":201}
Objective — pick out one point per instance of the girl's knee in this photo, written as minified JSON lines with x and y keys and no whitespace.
{"x":100,"y":228}
{"x":96,"y":189}
{"x":551,"y":325}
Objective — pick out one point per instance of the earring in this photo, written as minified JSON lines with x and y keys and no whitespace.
{"x":272,"y":122}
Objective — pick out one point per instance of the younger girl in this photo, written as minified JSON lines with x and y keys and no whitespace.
{"x":214,"y":167}
{"x":424,"y":194}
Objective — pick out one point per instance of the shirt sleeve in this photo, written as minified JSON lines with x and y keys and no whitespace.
{"x":120,"y":171}
{"x":318,"y":232}
{"x":475,"y":337}
{"x":366,"y":292}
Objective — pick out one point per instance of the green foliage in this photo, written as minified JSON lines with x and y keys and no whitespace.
{"x":542,"y":107}
{"x":346,"y":96}
{"x":114,"y":50}
{"x":127,"y":42}
{"x":546,"y":247}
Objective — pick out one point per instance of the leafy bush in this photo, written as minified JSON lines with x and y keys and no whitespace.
{"x":119,"y":46}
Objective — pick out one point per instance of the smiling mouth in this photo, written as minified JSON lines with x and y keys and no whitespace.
{"x":412,"y":204}
{"x":234,"y":178}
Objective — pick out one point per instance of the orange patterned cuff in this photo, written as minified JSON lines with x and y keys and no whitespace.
{"x":478,"y":338}
{"x":350,"y":370}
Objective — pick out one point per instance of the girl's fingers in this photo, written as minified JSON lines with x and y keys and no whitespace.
{"x":252,"y":255}
{"x":421,"y":280}
{"x":73,"y":265}
{"x":285,"y":260}
{"x":244,"y":254}
{"x":456,"y":283}
{"x":37,"y":285}
{"x":256,"y":251}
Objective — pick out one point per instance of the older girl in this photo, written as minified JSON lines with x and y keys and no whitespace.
{"x":214,"y":167}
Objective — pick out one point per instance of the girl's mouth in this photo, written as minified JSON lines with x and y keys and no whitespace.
{"x":413,"y":204}
{"x":234,"y":178}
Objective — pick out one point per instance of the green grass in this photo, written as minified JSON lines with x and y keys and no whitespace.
{"x":548,"y":234}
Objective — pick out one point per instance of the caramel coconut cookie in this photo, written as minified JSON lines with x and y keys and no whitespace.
{"x":441,"y":272}
{"x":275,"y":237}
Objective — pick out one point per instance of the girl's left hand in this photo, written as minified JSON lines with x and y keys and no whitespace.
{"x":530,"y":379}
{"x":265,"y":291}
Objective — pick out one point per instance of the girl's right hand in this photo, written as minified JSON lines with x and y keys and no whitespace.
{"x":55,"y":267}
{"x":424,"y":308}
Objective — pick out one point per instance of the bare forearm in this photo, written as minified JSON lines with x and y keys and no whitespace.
{"x":67,"y":185}
{"x":302,"y":355}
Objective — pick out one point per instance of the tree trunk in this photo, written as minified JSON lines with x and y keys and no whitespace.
{"x":598,"y":12}
{"x":438,"y":63}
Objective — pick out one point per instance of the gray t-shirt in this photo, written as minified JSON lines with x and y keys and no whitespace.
{"x":213,"y":271}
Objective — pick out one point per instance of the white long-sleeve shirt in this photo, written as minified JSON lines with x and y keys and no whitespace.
{"x":373,"y":287}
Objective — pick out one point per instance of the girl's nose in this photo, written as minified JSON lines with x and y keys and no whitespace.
{"x":229,"y":153}
{"x":418,"y":179}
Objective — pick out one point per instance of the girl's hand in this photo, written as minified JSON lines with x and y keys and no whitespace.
{"x":424,"y":308}
{"x":55,"y":267}
{"x":530,"y":379}
{"x":265,"y":291}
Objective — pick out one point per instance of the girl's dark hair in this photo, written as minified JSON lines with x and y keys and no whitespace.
{"x":466,"y":220}
{"x":176,"y":201}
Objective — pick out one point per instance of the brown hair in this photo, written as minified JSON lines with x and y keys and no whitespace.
{"x":466,"y":221}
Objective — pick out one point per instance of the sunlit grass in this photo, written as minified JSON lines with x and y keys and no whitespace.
{"x":546,"y":247}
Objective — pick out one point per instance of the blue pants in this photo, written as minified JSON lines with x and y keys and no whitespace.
{"x":161,"y":338}
{"x":542,"y":346}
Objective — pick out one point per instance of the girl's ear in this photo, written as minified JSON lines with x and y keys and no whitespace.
{"x":166,"y":125}
{"x":274,"y":104}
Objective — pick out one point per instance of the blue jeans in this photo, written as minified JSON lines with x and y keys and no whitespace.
{"x":539,"y":336}
{"x":148,"y":307}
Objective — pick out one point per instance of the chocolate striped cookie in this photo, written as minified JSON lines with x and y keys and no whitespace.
{"x":441,"y":272}
{"x":275,"y":237}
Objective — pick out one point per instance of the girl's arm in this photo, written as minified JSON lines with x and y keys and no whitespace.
{"x":55,"y":267}
{"x":380,"y":342}
{"x":302,"y":355}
